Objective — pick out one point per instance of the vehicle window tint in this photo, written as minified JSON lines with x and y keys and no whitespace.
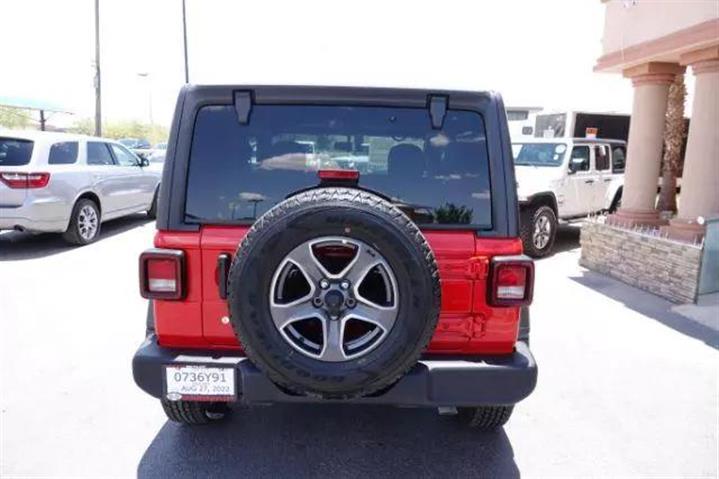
{"x":64,"y":153}
{"x":15,"y":152}
{"x":123,"y":157}
{"x":619,"y":158}
{"x":580,"y":153}
{"x":539,"y":154}
{"x":237,"y":172}
{"x":98,"y":154}
{"x":601,"y":157}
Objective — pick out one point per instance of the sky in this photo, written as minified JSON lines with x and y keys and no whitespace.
{"x":536,"y":53}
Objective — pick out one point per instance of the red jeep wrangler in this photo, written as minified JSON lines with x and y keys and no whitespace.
{"x":324,"y":245}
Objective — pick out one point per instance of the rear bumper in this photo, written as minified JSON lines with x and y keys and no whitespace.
{"x":497,"y":380}
{"x":45,"y":215}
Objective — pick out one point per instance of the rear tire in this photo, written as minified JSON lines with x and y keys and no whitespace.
{"x":485,"y":418}
{"x":152,"y":212}
{"x":193,"y":412}
{"x":538,"y":230}
{"x":81,"y":231}
{"x":616,"y":202}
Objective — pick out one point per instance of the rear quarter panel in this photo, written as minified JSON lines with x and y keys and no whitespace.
{"x":467,"y":325}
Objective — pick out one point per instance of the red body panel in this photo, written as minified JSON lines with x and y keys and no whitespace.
{"x":467,"y":325}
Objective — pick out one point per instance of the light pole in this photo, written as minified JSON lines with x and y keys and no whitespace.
{"x":146,"y":75}
{"x":184,"y":37}
{"x":98,"y":102}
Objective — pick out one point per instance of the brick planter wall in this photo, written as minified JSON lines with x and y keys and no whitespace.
{"x":662,"y":266}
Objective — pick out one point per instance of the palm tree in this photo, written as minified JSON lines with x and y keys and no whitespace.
{"x":674,"y":133}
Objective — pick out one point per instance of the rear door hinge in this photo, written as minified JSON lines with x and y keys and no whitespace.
{"x":477,"y":267}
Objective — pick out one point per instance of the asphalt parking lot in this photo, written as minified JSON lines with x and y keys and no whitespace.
{"x":627,"y":386}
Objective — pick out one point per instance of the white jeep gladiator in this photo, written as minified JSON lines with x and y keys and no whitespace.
{"x":564,"y":179}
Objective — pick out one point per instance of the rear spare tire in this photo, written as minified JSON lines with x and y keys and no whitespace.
{"x":334,"y":293}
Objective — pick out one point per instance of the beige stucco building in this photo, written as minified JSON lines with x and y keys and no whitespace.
{"x":649,"y":42}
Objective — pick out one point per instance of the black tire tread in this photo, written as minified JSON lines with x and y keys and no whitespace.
{"x":185,"y":412}
{"x":363,"y":198}
{"x":152,"y":212}
{"x":526,"y":229}
{"x":72,"y":235}
{"x":485,"y":417}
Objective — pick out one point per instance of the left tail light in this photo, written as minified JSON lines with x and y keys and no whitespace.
{"x":162,"y":273}
{"x":16,"y":180}
{"x":511,"y":281}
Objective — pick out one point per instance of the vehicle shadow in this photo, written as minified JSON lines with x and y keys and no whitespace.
{"x":17,"y":245}
{"x":298,"y":441}
{"x":656,"y":308}
{"x":567,"y":238}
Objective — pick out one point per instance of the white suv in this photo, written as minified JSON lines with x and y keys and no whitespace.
{"x":56,"y":182}
{"x":564,"y":178}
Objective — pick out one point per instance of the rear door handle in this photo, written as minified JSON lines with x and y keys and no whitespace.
{"x":589,"y":181}
{"x":607,"y":179}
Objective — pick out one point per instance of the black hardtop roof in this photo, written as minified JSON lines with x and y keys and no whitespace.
{"x":320,"y":94}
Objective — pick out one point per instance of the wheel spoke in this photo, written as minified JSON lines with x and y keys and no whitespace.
{"x":332,"y":302}
{"x":361,"y":264}
{"x":284,"y":314}
{"x":384,"y":317}
{"x":332,"y":349}
{"x":305,"y":260}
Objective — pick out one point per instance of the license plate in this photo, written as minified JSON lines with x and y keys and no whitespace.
{"x":199,"y":383}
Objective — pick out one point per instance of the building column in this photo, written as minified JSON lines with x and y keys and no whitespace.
{"x":699,"y":196}
{"x":646,"y":139}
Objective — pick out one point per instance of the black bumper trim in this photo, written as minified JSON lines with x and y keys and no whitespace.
{"x":496,"y":380}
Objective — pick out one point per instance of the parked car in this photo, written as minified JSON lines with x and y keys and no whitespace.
{"x":334,"y":293}
{"x":140,"y":146}
{"x":71,"y":184}
{"x":565,"y":179}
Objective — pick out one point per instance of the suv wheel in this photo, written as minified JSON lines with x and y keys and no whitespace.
{"x":538,"y":230}
{"x":84,"y":225}
{"x":484,"y":417}
{"x":334,"y":293}
{"x":193,"y":412}
{"x":152,"y":212}
{"x":616,"y":202}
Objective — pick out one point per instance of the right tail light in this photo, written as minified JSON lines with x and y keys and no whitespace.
{"x":162,"y":274}
{"x":511,"y":281}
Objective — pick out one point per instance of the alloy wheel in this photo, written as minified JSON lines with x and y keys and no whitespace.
{"x":87,"y":222}
{"x":542,"y":232}
{"x":334,"y":298}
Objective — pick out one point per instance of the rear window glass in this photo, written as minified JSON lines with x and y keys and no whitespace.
{"x":15,"y":152}
{"x":237,"y":172}
{"x":64,"y":153}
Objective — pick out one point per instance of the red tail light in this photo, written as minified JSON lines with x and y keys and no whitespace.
{"x":162,"y":274}
{"x":512,"y":281}
{"x":17,"y":180}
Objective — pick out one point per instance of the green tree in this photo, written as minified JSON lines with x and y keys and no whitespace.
{"x":674,"y":134}
{"x":83,"y":126}
{"x":123,"y":129}
{"x":14,"y":117}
